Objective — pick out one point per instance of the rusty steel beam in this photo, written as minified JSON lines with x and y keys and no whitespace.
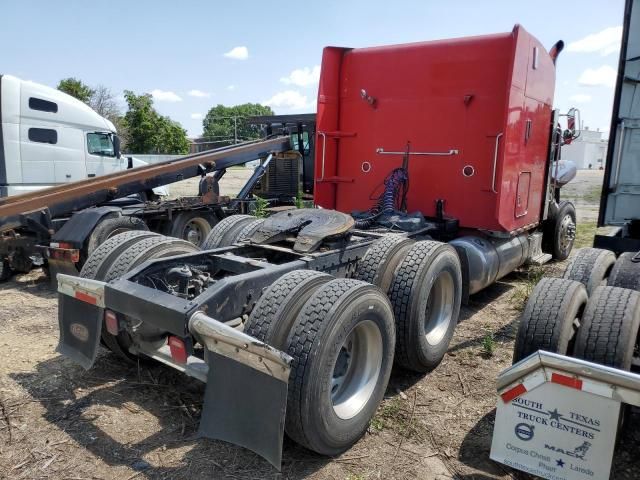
{"x":64,"y":199}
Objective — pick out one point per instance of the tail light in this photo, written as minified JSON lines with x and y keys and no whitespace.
{"x":111,"y":322}
{"x":178,"y":349}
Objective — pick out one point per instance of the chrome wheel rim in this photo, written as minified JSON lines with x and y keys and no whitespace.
{"x":439,"y":308}
{"x":196,"y":231}
{"x":356,"y":370}
{"x":567,"y":233}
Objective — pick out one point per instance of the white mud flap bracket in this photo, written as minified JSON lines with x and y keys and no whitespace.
{"x":246,"y":395}
{"x":557,"y":417}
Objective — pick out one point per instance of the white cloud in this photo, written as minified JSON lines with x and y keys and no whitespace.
{"x":303,"y":77}
{"x":198,"y":93}
{"x":231,"y":88}
{"x":239,"y":53}
{"x":196,"y":116}
{"x":290,"y":99}
{"x":165,"y":96}
{"x":580,"y":98}
{"x":602,"y":76}
{"x":604,"y":42}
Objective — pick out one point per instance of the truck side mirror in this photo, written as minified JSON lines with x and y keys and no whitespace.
{"x":116,"y":146}
{"x":573,"y":121}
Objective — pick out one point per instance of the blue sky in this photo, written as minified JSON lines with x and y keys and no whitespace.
{"x":177,"y":49}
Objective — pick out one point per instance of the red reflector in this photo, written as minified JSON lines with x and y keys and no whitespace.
{"x":515,"y":392}
{"x":178,"y":349}
{"x":84,"y":297}
{"x":66,"y":245}
{"x":570,"y":382}
{"x":111,"y":322}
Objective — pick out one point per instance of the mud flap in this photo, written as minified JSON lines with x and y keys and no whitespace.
{"x":80,"y":327}
{"x":246,"y":395}
{"x":245,"y":407}
{"x":80,"y":314}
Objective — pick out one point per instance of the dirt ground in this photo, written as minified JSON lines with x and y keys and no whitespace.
{"x":118,"y":421}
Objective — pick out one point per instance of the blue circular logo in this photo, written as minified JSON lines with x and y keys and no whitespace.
{"x":524,"y":431}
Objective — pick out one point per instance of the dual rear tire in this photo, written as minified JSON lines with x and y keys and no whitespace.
{"x":601,"y":328}
{"x":119,"y":255}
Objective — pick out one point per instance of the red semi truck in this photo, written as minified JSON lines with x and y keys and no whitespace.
{"x":435,"y":176}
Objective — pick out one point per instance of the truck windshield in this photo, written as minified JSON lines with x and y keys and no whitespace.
{"x":100,"y":144}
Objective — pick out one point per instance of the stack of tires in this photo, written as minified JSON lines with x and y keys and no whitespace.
{"x":344,"y":334}
{"x":592,"y":313}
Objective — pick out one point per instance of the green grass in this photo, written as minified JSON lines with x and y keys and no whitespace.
{"x":522,"y":291}
{"x":585,"y":232}
{"x":395,"y":415}
{"x":488,"y":345}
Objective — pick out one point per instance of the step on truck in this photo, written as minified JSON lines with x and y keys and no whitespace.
{"x":584,"y":326}
{"x":435,"y":175}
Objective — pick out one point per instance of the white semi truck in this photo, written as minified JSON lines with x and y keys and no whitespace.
{"x":49,"y":137}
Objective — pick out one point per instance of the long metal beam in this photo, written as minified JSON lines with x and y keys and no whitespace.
{"x":64,"y":199}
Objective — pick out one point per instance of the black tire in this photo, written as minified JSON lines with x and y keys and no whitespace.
{"x":215,"y":237}
{"x":110,"y":227}
{"x":279,"y":306}
{"x":548,"y":320}
{"x":146,"y":249}
{"x":381,"y":260}
{"x":249,"y":229}
{"x":343,"y":310}
{"x":134,"y":255}
{"x":5,"y":270}
{"x":192,"y":226}
{"x":559,"y":235}
{"x":591,"y":267}
{"x":431,"y":267}
{"x":625,"y":273}
{"x":609,"y":331}
{"x":102,"y":257}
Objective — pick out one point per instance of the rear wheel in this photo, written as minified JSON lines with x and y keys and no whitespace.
{"x":192,"y":226}
{"x":111,"y":227}
{"x":381,"y":260}
{"x":102,"y":257}
{"x":342,"y":347}
{"x":626,"y":272}
{"x":223,"y":229}
{"x":279,"y":306}
{"x":609,"y":331}
{"x":248,"y":230}
{"x":549,"y":320}
{"x":560,"y":232}
{"x":426,"y":293}
{"x":134,"y":255}
{"x":591,"y":267}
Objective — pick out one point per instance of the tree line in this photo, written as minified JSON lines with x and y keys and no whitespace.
{"x":143,"y":130}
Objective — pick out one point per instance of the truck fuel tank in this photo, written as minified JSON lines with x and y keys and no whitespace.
{"x":489,"y":259}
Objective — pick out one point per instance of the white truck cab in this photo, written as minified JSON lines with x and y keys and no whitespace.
{"x":48,"y":137}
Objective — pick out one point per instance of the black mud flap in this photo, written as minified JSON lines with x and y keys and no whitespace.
{"x":80,"y":327}
{"x":244,"y":406}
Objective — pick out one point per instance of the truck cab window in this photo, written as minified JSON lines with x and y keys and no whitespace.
{"x":100,"y":144}
{"x":42,"y":105}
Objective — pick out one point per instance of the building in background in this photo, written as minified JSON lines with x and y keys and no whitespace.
{"x":588,"y":151}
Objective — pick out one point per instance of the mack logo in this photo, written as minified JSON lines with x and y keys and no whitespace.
{"x":79,"y":331}
{"x":579,"y":452}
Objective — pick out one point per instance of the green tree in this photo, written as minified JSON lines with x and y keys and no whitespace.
{"x":221,"y":121}
{"x":76,"y":88}
{"x":148,"y":131}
